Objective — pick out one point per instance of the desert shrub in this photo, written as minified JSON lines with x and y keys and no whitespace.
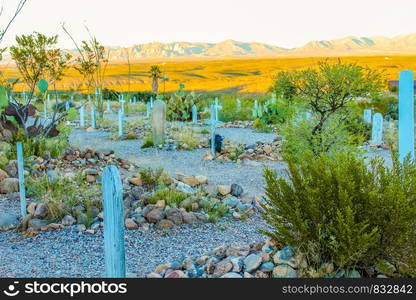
{"x":62,"y":194}
{"x":214,"y":210}
{"x":151,"y":177}
{"x":230,"y":112}
{"x":172,"y":198}
{"x":147,"y":142}
{"x":345,"y":210}
{"x":332,"y":138}
{"x":188,"y":136}
{"x":72,"y":114}
{"x":37,"y":146}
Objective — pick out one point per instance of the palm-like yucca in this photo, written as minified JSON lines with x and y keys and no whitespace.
{"x":155,"y":74}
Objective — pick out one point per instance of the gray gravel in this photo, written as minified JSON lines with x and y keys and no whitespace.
{"x":187,"y":162}
{"x":68,"y":253}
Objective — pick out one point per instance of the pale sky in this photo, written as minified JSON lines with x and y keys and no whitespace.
{"x":289,"y":23}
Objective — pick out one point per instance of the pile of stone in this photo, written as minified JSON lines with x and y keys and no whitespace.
{"x":265,"y":259}
{"x":236,"y":260}
{"x":140,"y":214}
{"x":237,"y":124}
{"x":246,"y":154}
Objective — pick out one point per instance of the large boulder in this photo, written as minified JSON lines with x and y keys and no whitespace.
{"x":155,"y":215}
{"x":3,"y":175}
{"x":9,"y":185}
{"x":8,"y":221}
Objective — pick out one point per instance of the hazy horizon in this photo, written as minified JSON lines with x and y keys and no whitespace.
{"x":280,"y":23}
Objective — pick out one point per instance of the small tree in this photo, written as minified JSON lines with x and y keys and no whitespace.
{"x":329,"y":88}
{"x":155,"y":74}
{"x":91,"y":63}
{"x":32,"y":55}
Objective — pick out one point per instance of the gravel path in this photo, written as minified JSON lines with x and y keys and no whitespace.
{"x":187,"y":162}
{"x":68,"y":253}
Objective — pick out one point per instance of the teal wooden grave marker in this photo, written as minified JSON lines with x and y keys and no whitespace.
{"x":406,"y":115}
{"x":114,"y":252}
{"x":120,"y":123}
{"x":151,"y":102}
{"x":45,"y":109}
{"x":377,"y":129}
{"x":21,"y":170}
{"x":93,"y":120}
{"x":194,"y":114}
{"x":367,"y":116}
{"x":217,"y":107}
{"x":255,"y":108}
{"x":213,"y":123}
{"x":82,"y":116}
{"x":148,"y":110}
{"x":134,"y":100}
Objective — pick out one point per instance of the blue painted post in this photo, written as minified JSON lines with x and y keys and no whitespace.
{"x":134,"y":100}
{"x":49,"y":99}
{"x":194,"y":114}
{"x":114,"y":252}
{"x":120,"y":123}
{"x":377,"y":129}
{"x":217,"y":106}
{"x":45,"y":109}
{"x":82,"y":116}
{"x":367,"y":115}
{"x":148,"y":110}
{"x":151,"y":103}
{"x":66,"y":105}
{"x":93,"y":121}
{"x":21,"y":170}
{"x":108,"y":106}
{"x":255,"y":109}
{"x":213,"y":130}
{"x":406,"y":115}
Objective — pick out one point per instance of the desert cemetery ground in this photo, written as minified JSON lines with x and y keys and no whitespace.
{"x":315,"y":178}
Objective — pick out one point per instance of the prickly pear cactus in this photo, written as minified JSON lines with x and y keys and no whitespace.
{"x":43,"y":85}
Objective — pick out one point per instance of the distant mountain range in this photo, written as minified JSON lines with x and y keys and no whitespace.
{"x":348,"y":46}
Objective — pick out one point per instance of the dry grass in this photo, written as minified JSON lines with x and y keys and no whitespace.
{"x":231,"y":75}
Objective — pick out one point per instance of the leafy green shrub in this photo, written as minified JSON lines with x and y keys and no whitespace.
{"x":148,"y":142}
{"x":150,"y":177}
{"x":214,"y":210}
{"x":172,"y":198}
{"x":332,"y":138}
{"x":230,"y":111}
{"x":350,"y":212}
{"x":62,"y":194}
{"x":72,"y":114}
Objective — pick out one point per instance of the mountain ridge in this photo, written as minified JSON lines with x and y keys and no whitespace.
{"x":346,"y":46}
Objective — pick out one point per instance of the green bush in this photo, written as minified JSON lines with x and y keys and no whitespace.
{"x":334,"y":137}
{"x":150,"y":177}
{"x":62,"y":194}
{"x":230,"y":113}
{"x":172,"y":198}
{"x":344,"y":210}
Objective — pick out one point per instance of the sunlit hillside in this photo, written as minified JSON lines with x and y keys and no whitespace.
{"x":226,"y":75}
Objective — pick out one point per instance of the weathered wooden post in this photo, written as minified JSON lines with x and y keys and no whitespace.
{"x":148,"y":110}
{"x":406,"y":115}
{"x":367,"y":115}
{"x":49,"y":99}
{"x":255,"y":108}
{"x":108,"y":106}
{"x":120,"y":123}
{"x":122,"y":103}
{"x":93,"y":121}
{"x":114,"y":252}
{"x":158,"y":122}
{"x":217,"y":106}
{"x":21,"y":170}
{"x":194,"y":114}
{"x":45,"y":109}
{"x":377,"y":129}
{"x":82,"y":116}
